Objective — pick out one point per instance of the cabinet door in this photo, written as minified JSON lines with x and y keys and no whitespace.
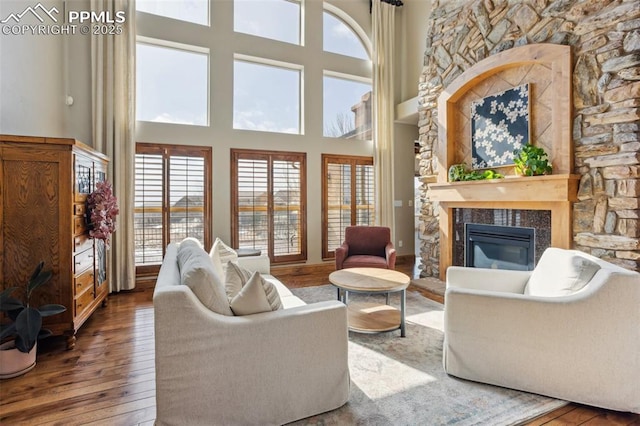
{"x":36,"y":224}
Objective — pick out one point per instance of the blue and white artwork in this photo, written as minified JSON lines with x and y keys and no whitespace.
{"x":499,"y":125}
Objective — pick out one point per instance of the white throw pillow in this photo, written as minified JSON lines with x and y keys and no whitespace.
{"x":196,"y":272}
{"x":235,"y":277}
{"x":559,"y":273}
{"x":221,"y":254}
{"x":257,"y":295}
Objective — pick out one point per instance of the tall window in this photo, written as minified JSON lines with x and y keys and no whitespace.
{"x":346,"y":107}
{"x":347,"y":197}
{"x":172,"y":198}
{"x":274,"y":19}
{"x":266,"y":97}
{"x":196,"y":11}
{"x":338,"y":37}
{"x":268,"y":209}
{"x":172,"y":83}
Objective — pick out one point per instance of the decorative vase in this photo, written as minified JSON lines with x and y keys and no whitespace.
{"x":14,"y":363}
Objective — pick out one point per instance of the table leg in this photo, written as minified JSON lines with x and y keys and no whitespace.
{"x":339,"y":295}
{"x":403,"y":303}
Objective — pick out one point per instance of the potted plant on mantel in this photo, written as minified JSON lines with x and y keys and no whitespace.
{"x":18,"y":356}
{"x":531,"y":161}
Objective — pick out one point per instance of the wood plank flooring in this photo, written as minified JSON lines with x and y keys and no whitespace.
{"x":108,"y":379}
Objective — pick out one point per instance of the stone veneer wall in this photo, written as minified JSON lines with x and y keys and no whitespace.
{"x":605,"y":36}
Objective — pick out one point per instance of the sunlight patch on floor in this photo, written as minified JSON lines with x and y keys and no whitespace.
{"x":375,"y":369}
{"x":432,"y":319}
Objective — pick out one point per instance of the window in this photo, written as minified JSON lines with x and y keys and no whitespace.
{"x":347,"y":197}
{"x":196,"y":11}
{"x":172,"y":198}
{"x":346,"y":108}
{"x":172,"y":84}
{"x":266,"y":97}
{"x":338,"y":37}
{"x":274,"y":19}
{"x":268,"y":209}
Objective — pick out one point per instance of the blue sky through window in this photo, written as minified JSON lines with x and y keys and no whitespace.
{"x":171,"y":85}
{"x":266,"y":98}
{"x":196,"y":11}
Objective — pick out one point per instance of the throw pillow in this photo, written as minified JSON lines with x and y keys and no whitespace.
{"x":221,"y":254}
{"x":560,"y":272}
{"x":257,"y":295}
{"x":235,"y":278}
{"x":196,"y":272}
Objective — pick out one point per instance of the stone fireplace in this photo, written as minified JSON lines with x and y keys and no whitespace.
{"x":593,"y":196}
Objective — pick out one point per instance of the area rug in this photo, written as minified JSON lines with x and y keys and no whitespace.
{"x":401,"y":381}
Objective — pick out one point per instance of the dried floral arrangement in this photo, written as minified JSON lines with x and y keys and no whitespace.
{"x":103,"y":209}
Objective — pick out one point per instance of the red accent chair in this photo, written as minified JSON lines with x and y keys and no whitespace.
{"x":366,"y":247}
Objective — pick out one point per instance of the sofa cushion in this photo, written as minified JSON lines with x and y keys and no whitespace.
{"x":221,"y":254}
{"x":257,"y":295}
{"x":235,"y":277}
{"x":559,"y":273}
{"x":197,"y":273}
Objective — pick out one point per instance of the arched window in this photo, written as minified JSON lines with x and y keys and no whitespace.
{"x":338,"y":37}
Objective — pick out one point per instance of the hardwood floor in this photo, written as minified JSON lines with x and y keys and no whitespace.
{"x":108,"y":379}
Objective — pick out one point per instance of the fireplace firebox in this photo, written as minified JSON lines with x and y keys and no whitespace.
{"x":499,"y":247}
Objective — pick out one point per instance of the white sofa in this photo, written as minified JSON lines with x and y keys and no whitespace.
{"x":267,"y":368}
{"x":546,"y":332}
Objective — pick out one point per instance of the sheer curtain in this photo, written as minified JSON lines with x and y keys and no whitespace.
{"x":113,"y":115}
{"x":383,"y":15}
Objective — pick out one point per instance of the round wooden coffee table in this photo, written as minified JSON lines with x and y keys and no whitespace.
{"x":367,"y":317}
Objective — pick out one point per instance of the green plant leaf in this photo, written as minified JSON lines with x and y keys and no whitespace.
{"x":28,"y":325}
{"x":51,"y":309}
{"x":44,"y":332}
{"x":38,"y":280}
{"x":8,"y":303}
{"x":37,"y":271}
{"x":7,"y":330}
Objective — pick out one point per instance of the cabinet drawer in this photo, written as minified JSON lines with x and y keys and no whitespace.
{"x":79,"y":225}
{"x":82,"y":261}
{"x":83,"y":301}
{"x":83,"y":282}
{"x":82,"y":243}
{"x":79,"y":209}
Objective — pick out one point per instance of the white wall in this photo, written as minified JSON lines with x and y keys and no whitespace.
{"x":33,"y":75}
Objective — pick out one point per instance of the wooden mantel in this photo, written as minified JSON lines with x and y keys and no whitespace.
{"x":542,"y":189}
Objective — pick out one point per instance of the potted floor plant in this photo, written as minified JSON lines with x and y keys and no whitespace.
{"x":17,"y":356}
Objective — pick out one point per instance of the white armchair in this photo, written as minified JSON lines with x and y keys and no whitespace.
{"x":570,"y":329}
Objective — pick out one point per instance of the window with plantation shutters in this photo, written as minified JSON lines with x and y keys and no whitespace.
{"x":347,"y":197}
{"x":172,"y":198}
{"x":268,"y":203}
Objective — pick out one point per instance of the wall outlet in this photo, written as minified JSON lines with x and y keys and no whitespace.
{"x":399,"y":243}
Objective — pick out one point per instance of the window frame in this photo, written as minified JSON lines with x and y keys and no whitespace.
{"x":353,"y":160}
{"x":270,"y":156}
{"x":167,"y":151}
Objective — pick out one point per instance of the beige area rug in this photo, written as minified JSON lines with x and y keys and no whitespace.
{"x":401,"y":381}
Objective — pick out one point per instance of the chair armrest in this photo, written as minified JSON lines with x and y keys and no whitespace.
{"x":487,"y":279}
{"x":341,"y":254}
{"x":260,"y":263}
{"x":390,"y":254}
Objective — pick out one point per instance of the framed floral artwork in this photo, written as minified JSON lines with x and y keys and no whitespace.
{"x":499,"y":125}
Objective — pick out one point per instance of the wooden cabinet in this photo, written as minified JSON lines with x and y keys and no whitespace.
{"x":44,"y":184}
